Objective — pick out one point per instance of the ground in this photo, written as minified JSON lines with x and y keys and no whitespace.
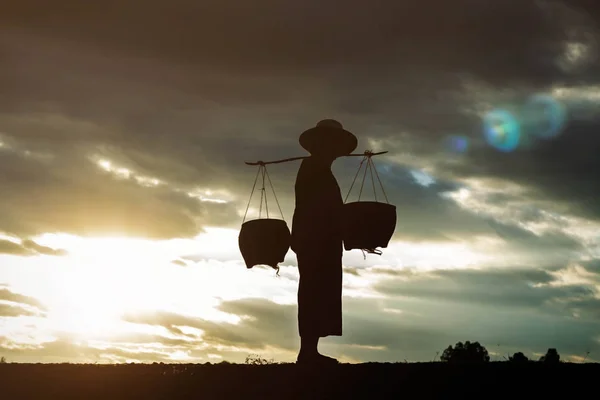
{"x":289,"y":381}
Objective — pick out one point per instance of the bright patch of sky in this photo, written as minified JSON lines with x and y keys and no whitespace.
{"x":422,"y":178}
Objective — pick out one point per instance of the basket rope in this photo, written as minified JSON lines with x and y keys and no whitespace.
{"x":262,"y":172}
{"x":373,"y":172}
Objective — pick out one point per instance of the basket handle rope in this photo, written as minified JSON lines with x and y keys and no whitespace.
{"x":273,"y":189}
{"x":371,"y":167}
{"x":262,"y":171}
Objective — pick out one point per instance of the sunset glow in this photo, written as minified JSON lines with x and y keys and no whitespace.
{"x":131,"y":137}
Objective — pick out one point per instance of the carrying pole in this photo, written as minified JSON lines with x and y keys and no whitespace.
{"x":367,"y":153}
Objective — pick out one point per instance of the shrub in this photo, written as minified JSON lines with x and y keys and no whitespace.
{"x":465,"y":353}
{"x":255,"y":359}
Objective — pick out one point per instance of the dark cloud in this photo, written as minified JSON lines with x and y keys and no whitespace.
{"x":588,"y":307}
{"x":367,"y":327}
{"x":371,"y":332}
{"x":422,"y":214}
{"x":555,"y":246}
{"x":267,"y":323}
{"x":307,"y":34}
{"x":497,"y":288}
{"x":77,"y":197}
{"x":183,"y":107}
{"x":425,"y":213}
{"x":420,"y":327}
{"x":564,"y":169}
{"x":416,"y":332}
{"x":592,"y":265}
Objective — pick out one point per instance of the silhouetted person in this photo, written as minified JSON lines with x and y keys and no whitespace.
{"x":317,"y":238}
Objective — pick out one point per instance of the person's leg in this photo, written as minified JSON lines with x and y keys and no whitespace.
{"x":309,"y":352}
{"x":308,"y":346}
{"x":313,"y":318}
{"x":307,"y":306}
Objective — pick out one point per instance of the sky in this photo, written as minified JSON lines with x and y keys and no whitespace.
{"x":125,"y":125}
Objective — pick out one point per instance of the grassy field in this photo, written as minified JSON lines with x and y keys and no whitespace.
{"x":289,"y":381}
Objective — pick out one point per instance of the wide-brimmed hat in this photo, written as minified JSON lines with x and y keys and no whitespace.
{"x":328,"y":137}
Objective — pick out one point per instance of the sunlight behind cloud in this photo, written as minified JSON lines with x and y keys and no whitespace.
{"x":581,"y":100}
{"x":477,"y":197}
{"x":88,"y":291}
{"x":25,"y":331}
{"x":221,"y":197}
{"x":125,"y":173}
{"x":156,"y":151}
{"x":428,"y":256}
{"x":575,"y":275}
{"x":102,"y":279}
{"x":422,"y":178}
{"x":432,"y":256}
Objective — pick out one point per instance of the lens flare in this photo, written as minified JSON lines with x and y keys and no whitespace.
{"x":457,"y":143}
{"x":502,"y":131}
{"x":545,"y":115}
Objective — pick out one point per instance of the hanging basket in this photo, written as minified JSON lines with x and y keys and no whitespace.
{"x":264,"y":241}
{"x":368,"y":224}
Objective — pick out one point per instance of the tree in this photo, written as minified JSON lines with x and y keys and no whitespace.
{"x":518,"y":358}
{"x":551,"y":357}
{"x":465,"y":353}
{"x":3,"y":360}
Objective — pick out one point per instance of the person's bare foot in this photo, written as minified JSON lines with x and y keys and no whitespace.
{"x":315,"y":359}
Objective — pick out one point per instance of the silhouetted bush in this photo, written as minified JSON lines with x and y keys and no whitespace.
{"x":551,"y":357}
{"x":3,"y":360}
{"x":466,"y":353}
{"x":255,"y":359}
{"x":518,"y":358}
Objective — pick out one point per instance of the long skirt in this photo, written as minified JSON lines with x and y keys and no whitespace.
{"x":320,"y":291}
